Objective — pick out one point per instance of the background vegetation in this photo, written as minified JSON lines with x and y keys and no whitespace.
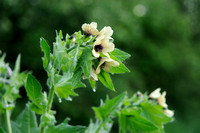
{"x":163,"y":37}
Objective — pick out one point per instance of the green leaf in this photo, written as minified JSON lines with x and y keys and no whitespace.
{"x":86,"y":62}
{"x":17,"y":66}
{"x":2,"y":131}
{"x":122,"y":123}
{"x":64,"y":127}
{"x":120,"y":55}
{"x":155,"y":113}
{"x":92,"y":83}
{"x":99,"y":127}
{"x":2,"y":109}
{"x":36,"y":109}
{"x":15,"y":127}
{"x":33,"y":89}
{"x":109,"y":108}
{"x":48,"y":118}
{"x":105,"y":79}
{"x":119,"y":69}
{"x":67,"y":83}
{"x":46,"y":50}
{"x":74,"y":54}
{"x":27,"y":121}
{"x":60,"y":34}
{"x":132,"y":119}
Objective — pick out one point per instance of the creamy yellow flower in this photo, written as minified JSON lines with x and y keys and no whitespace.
{"x":155,"y":94}
{"x":162,"y":100}
{"x":106,"y":32}
{"x":168,"y":112}
{"x":90,"y":29}
{"x":93,"y":75}
{"x":103,"y":46}
{"x":106,"y":63}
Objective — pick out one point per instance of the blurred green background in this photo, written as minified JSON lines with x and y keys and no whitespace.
{"x":163,"y":37}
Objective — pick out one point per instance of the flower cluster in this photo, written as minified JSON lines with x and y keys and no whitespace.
{"x":161,"y":101}
{"x":102,"y":45}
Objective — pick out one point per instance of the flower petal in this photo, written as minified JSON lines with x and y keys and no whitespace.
{"x":93,"y":24}
{"x":168,"y":112}
{"x":155,"y":94}
{"x":93,"y":75}
{"x":106,"y":32}
{"x":90,"y":29}
{"x":95,"y":54}
{"x":108,"y":64}
{"x":107,"y":46}
{"x":85,"y":27}
{"x":162,"y":100}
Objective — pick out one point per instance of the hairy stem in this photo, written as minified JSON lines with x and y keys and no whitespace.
{"x":49,"y":104}
{"x":8,"y":119}
{"x":99,"y":127}
{"x":50,"y":99}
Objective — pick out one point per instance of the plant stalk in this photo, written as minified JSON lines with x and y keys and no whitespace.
{"x":50,"y":99}
{"x":49,"y":104}
{"x":8,"y":120}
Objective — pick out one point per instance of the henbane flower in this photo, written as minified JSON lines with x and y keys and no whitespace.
{"x":93,"y":75}
{"x":161,"y":101}
{"x":160,"y":98}
{"x":155,"y":94}
{"x":106,"y":32}
{"x":103,"y":46}
{"x":106,"y":63}
{"x":90,"y":29}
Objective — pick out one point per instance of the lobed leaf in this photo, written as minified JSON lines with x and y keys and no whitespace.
{"x":33,"y":89}
{"x":98,"y":128}
{"x":64,"y":127}
{"x":120,"y":55}
{"x":86,"y":62}
{"x":26,"y":122}
{"x":105,"y":79}
{"x":67,"y":83}
{"x":119,"y":69}
{"x":109,"y":108}
{"x":46,"y":50}
{"x":155,"y":113}
{"x":132,"y":119}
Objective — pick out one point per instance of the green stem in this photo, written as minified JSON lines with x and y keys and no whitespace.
{"x":49,"y":104}
{"x":42,"y":130}
{"x":50,"y":99}
{"x":8,"y":120}
{"x":99,"y":127}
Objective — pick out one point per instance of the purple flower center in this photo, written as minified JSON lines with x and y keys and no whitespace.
{"x":98,"y":48}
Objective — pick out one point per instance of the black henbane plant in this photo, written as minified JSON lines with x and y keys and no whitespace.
{"x":92,"y":56}
{"x":10,"y":83}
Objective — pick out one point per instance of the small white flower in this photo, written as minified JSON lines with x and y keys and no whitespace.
{"x":90,"y":29}
{"x":93,"y":75}
{"x":168,"y":112}
{"x":106,"y":63}
{"x":103,"y":46}
{"x":106,"y":32}
{"x":155,"y":94}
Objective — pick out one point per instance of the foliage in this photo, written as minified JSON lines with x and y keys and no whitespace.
{"x":135,"y":114}
{"x":164,"y":44}
{"x":89,"y":55}
{"x":10,"y":83}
